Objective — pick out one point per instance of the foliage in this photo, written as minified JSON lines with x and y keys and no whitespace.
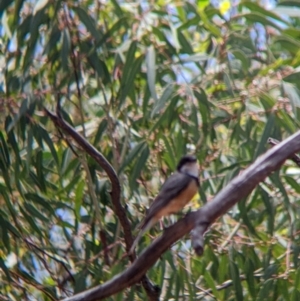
{"x":145,"y":83}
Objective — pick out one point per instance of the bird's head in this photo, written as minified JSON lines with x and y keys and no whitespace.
{"x":188,"y":164}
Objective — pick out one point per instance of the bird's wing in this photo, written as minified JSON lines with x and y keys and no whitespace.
{"x":171,"y":188}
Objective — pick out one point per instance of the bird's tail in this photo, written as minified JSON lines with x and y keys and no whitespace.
{"x":144,"y":229}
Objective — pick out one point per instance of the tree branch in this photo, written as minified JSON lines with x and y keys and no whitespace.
{"x":115,"y":193}
{"x":293,"y":157}
{"x":101,"y":160}
{"x":236,"y":190}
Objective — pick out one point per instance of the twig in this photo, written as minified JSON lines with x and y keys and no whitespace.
{"x":28,"y":282}
{"x":293,"y":157}
{"x":28,"y":242}
{"x":230,"y":236}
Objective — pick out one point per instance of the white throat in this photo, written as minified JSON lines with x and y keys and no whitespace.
{"x":191,"y":169}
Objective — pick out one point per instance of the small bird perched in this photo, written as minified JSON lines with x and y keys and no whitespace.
{"x":176,"y":192}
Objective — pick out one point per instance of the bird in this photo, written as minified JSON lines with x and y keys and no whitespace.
{"x":175,"y":193}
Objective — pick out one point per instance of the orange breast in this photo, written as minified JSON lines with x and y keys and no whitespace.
{"x":177,"y":203}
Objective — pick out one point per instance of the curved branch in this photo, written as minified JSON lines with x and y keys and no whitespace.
{"x":236,"y":190}
{"x":101,"y":160}
{"x":115,"y":190}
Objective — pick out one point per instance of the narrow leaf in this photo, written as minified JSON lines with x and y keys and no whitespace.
{"x":139,"y":165}
{"x":88,"y":21}
{"x":5,"y":269}
{"x":40,"y":4}
{"x":163,"y":99}
{"x":4,"y":151}
{"x":78,"y":197}
{"x":65,"y":49}
{"x":17,"y":117}
{"x":151,"y":71}
{"x":34,"y":212}
{"x":40,"y":201}
{"x":235,"y":275}
{"x":132,"y":154}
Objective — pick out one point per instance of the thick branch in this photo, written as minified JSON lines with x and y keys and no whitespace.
{"x":236,"y":190}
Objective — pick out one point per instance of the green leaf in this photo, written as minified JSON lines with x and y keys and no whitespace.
{"x":288,"y":43}
{"x":246,"y":219}
{"x":170,"y":156}
{"x":129,"y":58}
{"x":240,"y":55}
{"x":211,"y":284}
{"x":285,"y":121}
{"x":29,"y":149}
{"x":160,"y":103}
{"x":162,"y":272}
{"x":31,"y":221}
{"x":118,"y":8}
{"x":151,"y":71}
{"x":39,"y":170}
{"x":55,"y":37}
{"x":45,"y":136}
{"x":132,"y":155}
{"x":2,"y":263}
{"x":139,"y":165}
{"x":132,"y":65}
{"x":266,"y":291}
{"x":270,"y":211}
{"x":287,"y":11}
{"x":185,"y":45}
{"x":293,"y":183}
{"x":113,"y":30}
{"x":65,"y":49}
{"x":295,"y":3}
{"x":214,"y":30}
{"x":11,"y":138}
{"x":249,"y":271}
{"x":174,"y":37}
{"x":197,"y":58}
{"x":254,"y":7}
{"x":204,"y":109}
{"x":293,"y":95}
{"x":22,"y":110}
{"x":292,"y":32}
{"x":34,"y":212}
{"x":293,"y":78}
{"x":98,"y":65}
{"x":297,"y":280}
{"x":101,"y":128}
{"x":78,"y":197}
{"x":168,"y":115}
{"x":40,"y":201}
{"x":89,"y":23}
{"x":269,"y":127}
{"x":4,"y":152}
{"x":295,"y":295}
{"x":4,"y":234}
{"x":202,"y":4}
{"x":235,"y":275}
{"x":259,"y":18}
{"x":40,"y":4}
{"x":69,"y":166}
{"x":267,"y":101}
